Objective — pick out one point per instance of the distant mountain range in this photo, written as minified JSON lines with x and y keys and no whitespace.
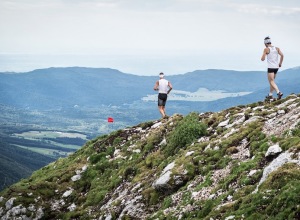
{"x":54,"y":88}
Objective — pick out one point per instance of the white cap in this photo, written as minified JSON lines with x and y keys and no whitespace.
{"x":161,"y":75}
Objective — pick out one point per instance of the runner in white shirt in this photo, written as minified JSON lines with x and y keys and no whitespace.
{"x":272,"y":52}
{"x":164,"y":87}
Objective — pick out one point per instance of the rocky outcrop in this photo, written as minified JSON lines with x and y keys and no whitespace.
{"x":286,"y":157}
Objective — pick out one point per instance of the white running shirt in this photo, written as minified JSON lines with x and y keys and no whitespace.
{"x":272,"y":58}
{"x":163,"y":86}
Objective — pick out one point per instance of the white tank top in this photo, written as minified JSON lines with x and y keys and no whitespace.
{"x":163,"y":86}
{"x":272,"y":58}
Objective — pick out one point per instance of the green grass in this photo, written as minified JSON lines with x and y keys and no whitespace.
{"x":276,"y":198}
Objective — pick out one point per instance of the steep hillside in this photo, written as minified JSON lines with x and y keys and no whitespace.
{"x":240,"y":163}
{"x":17,"y":163}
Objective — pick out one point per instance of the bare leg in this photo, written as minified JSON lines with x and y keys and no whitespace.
{"x":162,"y":110}
{"x":273,"y":86}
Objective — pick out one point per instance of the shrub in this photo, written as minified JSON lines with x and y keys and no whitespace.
{"x":117,"y":141}
{"x":110,"y":151}
{"x":97,"y":157}
{"x":151,"y":196}
{"x":232,"y":150}
{"x":167,"y":202}
{"x":188,"y":129}
{"x":146,"y":124}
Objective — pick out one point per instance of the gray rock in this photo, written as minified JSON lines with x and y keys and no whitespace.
{"x":10,"y":203}
{"x":108,"y":217}
{"x":156,"y":125}
{"x":72,"y":207}
{"x":76,"y":178}
{"x":273,"y":150}
{"x":230,"y":217}
{"x":189,"y":153}
{"x":169,"y":167}
{"x":17,"y":210}
{"x":67,"y":193}
{"x":281,"y":112}
{"x":162,"y":181}
{"x":275,"y":164}
{"x":258,"y":107}
{"x":31,"y":208}
{"x":252,"y":119}
{"x":223,"y":123}
{"x":163,"y":142}
{"x":39,"y":213}
{"x":252,"y":172}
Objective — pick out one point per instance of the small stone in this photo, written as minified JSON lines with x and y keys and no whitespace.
{"x":281,"y":112}
{"x":76,"y":178}
{"x":67,"y":193}
{"x":189,"y":153}
{"x":252,"y":172}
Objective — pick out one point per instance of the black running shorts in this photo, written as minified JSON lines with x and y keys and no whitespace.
{"x":162,"y":99}
{"x":272,"y":70}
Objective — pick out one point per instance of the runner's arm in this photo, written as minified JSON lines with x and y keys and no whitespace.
{"x":281,"y":57}
{"x":170,"y":87}
{"x":265,"y":52}
{"x":156,"y":86}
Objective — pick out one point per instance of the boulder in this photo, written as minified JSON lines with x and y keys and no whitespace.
{"x":273,"y":151}
{"x":9,"y":204}
{"x":162,"y":183}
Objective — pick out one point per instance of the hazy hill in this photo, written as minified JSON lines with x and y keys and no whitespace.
{"x":66,"y":87}
{"x":90,"y":87}
{"x":239,"y":163}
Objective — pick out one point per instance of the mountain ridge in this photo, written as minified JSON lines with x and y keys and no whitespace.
{"x":79,"y":99}
{"x":65,"y":87}
{"x":239,"y":163}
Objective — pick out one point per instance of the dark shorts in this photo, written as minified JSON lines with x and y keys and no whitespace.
{"x":272,"y":70}
{"x":162,"y":99}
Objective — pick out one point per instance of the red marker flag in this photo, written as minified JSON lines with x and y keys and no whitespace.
{"x":109,"y":119}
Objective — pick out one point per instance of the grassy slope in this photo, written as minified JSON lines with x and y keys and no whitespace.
{"x":277,"y":198}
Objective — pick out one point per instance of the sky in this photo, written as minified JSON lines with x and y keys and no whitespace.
{"x":147,"y":37}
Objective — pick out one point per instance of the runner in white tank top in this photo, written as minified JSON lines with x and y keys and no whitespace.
{"x":272,"y":53}
{"x":164,"y":87}
{"x":272,"y":58}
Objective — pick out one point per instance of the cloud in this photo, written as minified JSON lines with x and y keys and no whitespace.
{"x":176,"y":34}
{"x":267,"y":9}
